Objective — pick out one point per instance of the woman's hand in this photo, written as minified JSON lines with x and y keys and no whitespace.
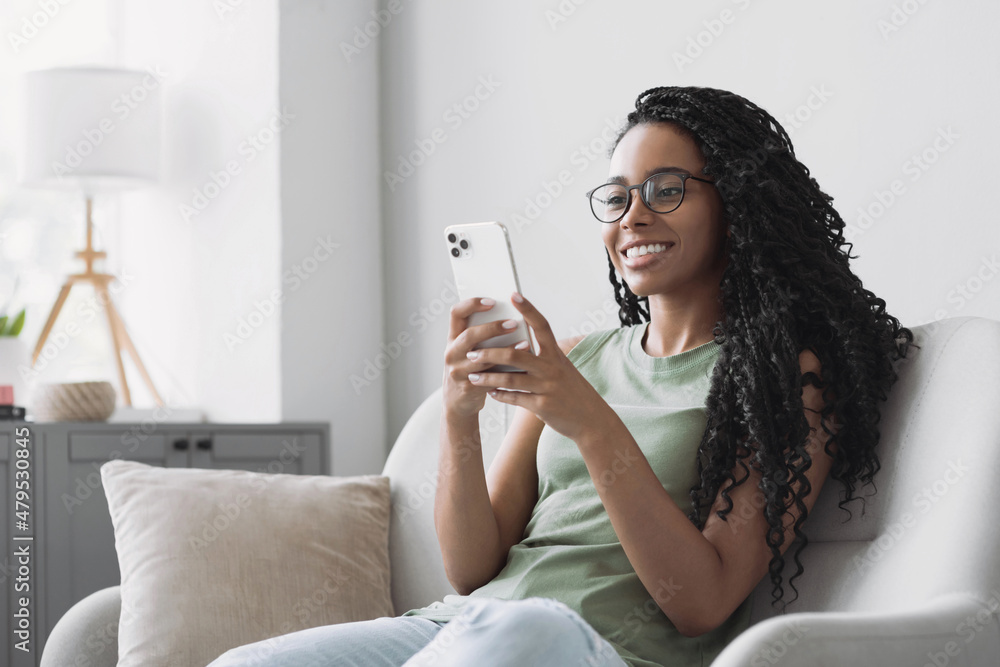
{"x":462,"y":398}
{"x":557,"y":393}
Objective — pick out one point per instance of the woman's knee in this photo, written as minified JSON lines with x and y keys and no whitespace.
{"x":526,"y":632}
{"x":530,"y":617}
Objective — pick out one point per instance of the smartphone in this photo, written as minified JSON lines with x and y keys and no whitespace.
{"x":483,"y":265}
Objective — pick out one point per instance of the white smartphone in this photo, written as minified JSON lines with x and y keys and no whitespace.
{"x":483,"y":265}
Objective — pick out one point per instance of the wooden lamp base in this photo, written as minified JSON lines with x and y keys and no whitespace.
{"x":119,"y":335}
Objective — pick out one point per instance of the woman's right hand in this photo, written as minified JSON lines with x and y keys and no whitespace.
{"x":461,"y":397}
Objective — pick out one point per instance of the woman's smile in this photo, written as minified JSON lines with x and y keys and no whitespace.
{"x":646,"y":256}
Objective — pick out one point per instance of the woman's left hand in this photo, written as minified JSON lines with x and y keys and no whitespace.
{"x":559,"y":395}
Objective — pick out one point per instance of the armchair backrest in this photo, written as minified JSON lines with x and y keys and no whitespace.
{"x":928,"y":529}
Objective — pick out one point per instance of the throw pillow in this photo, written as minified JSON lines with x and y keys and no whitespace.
{"x":214,"y":559}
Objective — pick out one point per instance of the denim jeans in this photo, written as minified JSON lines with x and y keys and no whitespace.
{"x":487,"y":632}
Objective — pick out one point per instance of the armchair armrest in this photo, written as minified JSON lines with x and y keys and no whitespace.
{"x":87,"y":634}
{"x":952,"y":629}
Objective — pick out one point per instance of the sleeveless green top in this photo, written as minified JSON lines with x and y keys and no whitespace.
{"x":570,"y":550}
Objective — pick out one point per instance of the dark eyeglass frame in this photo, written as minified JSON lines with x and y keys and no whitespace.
{"x":642,"y":194}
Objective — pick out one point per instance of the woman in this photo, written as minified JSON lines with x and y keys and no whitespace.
{"x":683,"y":450}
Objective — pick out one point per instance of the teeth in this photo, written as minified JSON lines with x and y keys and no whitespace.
{"x":639,"y":251}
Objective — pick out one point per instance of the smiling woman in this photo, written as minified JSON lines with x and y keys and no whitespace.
{"x":654,"y":473}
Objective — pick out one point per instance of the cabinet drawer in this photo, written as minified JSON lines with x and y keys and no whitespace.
{"x":105,"y":446}
{"x":229,"y":446}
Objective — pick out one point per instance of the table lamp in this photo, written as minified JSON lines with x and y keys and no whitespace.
{"x":97,"y":131}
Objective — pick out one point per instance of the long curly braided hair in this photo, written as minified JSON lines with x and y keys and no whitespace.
{"x":788,"y":286}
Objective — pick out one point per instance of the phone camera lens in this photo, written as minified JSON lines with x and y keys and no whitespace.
{"x":455,"y":252}
{"x":451,"y":238}
{"x":464,"y":244}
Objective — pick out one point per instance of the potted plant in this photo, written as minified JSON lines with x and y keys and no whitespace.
{"x":15,"y":360}
{"x":11,"y":327}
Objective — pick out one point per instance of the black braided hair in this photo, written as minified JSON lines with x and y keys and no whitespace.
{"x":788,"y":286}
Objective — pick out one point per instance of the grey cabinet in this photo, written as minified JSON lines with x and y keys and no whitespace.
{"x":19,"y":528}
{"x":74,"y":538}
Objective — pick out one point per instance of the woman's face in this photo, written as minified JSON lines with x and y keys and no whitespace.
{"x":696,"y":228}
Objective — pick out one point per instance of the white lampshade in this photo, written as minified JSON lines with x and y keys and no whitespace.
{"x":91,"y":128}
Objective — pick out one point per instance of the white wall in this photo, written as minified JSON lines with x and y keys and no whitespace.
{"x":561,"y":80}
{"x":331,"y":234}
{"x":200,"y":271}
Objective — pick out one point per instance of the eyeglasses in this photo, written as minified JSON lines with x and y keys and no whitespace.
{"x":661,"y":193}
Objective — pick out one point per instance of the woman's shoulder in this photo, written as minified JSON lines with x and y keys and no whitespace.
{"x":567,"y":344}
{"x":580,"y":346}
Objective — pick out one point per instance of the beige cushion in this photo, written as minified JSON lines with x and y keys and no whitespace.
{"x":214,"y":559}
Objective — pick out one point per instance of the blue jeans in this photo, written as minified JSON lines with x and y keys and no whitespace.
{"x":487,"y":632}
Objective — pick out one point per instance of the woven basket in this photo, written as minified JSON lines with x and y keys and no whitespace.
{"x":73,"y":401}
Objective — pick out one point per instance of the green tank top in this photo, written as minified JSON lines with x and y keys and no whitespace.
{"x":570,"y":550}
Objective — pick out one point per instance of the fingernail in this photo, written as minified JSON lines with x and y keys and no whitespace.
{"x":473,"y":355}
{"x":518,"y":297}
{"x":487,"y":301}
{"x":509,"y":324}
{"x":474,"y":377}
{"x":523,"y":345}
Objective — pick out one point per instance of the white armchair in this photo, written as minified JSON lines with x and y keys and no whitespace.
{"x":913,"y":581}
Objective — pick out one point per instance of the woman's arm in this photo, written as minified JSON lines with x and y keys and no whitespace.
{"x":480,"y":516}
{"x":698,"y":578}
{"x":463,"y":518}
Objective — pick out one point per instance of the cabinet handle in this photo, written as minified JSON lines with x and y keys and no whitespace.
{"x":181,"y":443}
{"x":204,"y":443}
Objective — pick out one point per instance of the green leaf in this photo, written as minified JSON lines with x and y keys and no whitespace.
{"x":3,"y":323}
{"x":17,"y":325}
